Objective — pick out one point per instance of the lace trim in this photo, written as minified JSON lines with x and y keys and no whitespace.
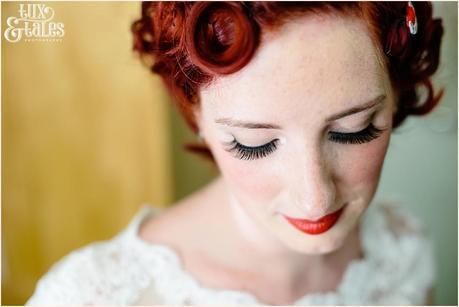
{"x":397,"y":269}
{"x":383,"y":276}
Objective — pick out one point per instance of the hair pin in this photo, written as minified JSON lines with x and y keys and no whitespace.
{"x":411,"y":20}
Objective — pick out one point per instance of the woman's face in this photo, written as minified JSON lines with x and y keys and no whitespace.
{"x":302,"y":130}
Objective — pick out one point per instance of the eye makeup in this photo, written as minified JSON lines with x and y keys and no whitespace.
{"x":244,"y":152}
{"x":363,"y":136}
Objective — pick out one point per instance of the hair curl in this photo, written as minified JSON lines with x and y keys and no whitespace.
{"x":189,"y":44}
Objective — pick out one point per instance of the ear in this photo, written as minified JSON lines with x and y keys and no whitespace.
{"x":198,"y":118}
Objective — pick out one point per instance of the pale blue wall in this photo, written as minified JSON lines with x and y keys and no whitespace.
{"x":421,"y":165}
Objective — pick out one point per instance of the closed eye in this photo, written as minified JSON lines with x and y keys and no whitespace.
{"x":363,"y":136}
{"x":244,"y":152}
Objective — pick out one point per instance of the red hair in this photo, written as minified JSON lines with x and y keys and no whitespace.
{"x":189,"y":44}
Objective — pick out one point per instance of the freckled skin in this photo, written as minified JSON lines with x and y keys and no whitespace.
{"x":302,"y":74}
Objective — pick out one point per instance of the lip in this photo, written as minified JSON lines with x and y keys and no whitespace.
{"x":316,"y":227}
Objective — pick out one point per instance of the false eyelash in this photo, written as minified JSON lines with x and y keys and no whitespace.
{"x":249,"y":153}
{"x":366,"y":135}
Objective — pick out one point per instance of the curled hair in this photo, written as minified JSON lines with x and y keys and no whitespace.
{"x":189,"y":44}
{"x":219,"y":37}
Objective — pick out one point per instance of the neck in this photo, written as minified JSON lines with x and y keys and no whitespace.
{"x":266,"y":255}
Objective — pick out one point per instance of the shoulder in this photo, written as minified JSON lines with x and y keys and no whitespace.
{"x":401,"y":245}
{"x":180,"y":224}
{"x":103,"y":272}
{"x":412,"y":236}
{"x":396,"y":221}
{"x":404,"y":229}
{"x":77,"y":277}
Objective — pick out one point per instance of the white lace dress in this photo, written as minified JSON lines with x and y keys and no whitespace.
{"x":398,"y":269}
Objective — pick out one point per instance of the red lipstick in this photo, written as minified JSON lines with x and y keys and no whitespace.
{"x":316,"y":227}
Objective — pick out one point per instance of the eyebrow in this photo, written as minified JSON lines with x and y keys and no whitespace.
{"x":242,"y":124}
{"x":252,"y":125}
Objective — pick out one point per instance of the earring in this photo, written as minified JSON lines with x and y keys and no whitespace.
{"x":200,"y":137}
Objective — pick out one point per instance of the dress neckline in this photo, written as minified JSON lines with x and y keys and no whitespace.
{"x":175,"y":262}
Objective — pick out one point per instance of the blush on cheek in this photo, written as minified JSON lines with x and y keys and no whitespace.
{"x":366,"y":163}
{"x":256,"y":182}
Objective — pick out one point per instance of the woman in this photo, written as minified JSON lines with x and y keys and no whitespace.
{"x":295,"y":103}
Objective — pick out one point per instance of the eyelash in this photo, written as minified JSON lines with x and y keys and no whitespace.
{"x":250,"y":153}
{"x":364,"y":136}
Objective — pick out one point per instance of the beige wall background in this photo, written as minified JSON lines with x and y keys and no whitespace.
{"x":86,"y":139}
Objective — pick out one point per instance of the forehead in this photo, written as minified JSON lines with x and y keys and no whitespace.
{"x":315,"y":64}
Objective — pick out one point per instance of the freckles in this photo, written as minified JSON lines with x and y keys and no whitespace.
{"x":367,"y":162}
{"x":250,"y":177}
{"x":377,"y":154}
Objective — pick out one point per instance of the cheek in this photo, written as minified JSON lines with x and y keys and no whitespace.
{"x":249,"y":179}
{"x":361,"y":165}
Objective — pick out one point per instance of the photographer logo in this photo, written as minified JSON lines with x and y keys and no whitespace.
{"x":35,"y":23}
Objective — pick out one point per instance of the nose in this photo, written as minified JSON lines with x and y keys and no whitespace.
{"x":314,"y":190}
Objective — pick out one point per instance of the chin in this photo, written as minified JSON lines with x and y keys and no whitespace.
{"x":315,"y":246}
